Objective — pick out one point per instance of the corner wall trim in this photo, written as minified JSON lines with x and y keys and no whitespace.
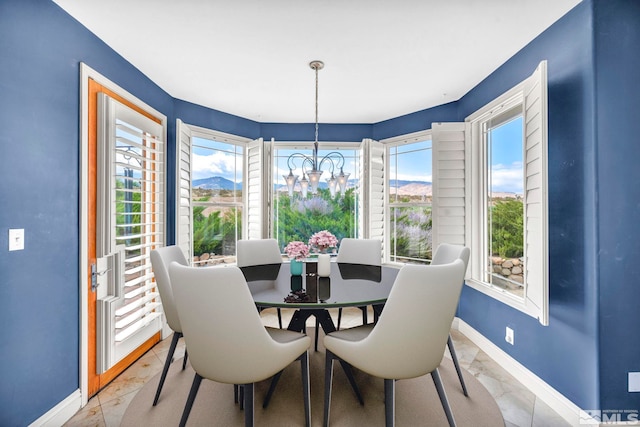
{"x":558,"y":402}
{"x":61,"y":413}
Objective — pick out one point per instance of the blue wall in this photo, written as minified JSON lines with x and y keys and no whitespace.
{"x":594,"y":104}
{"x":40,"y":49}
{"x":617,"y":64}
{"x":565,"y":353}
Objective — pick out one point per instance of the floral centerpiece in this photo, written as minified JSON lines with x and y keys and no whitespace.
{"x":322,"y":241}
{"x":297,"y":250}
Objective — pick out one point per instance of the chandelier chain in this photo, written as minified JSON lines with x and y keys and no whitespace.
{"x":316,"y":68}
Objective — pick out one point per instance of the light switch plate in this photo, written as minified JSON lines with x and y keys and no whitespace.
{"x":16,"y":239}
{"x":634,"y":382}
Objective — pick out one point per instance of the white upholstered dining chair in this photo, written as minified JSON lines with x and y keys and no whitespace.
{"x":226,"y":338}
{"x":160,"y":260}
{"x":259,"y":252}
{"x":359,"y":251}
{"x":446,"y":253}
{"x":408,"y":340}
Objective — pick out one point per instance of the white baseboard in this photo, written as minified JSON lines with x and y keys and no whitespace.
{"x":558,"y":402}
{"x":61,"y":413}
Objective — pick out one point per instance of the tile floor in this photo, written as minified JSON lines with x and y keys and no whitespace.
{"x":519,"y":406}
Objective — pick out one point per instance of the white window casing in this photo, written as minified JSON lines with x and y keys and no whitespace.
{"x":257,"y":178}
{"x":531,"y":94}
{"x":184,"y":208}
{"x":372,"y":192}
{"x":449,"y":183}
{"x":185,"y":133}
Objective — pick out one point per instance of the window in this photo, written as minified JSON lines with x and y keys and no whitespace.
{"x":507,"y":204}
{"x":297,"y":218}
{"x":211,"y":194}
{"x":408,"y":212}
{"x":503,"y":207}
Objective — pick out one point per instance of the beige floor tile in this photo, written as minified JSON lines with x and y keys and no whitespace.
{"x":520,"y":407}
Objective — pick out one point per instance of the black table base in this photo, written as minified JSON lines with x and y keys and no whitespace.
{"x":298,"y":322}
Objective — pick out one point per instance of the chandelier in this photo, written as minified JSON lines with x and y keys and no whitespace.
{"x":312,"y":167}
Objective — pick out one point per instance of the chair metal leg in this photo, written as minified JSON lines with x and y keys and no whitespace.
{"x":389,"y":402}
{"x":452,"y":350}
{"x":248,"y":405}
{"x":272,"y":387}
{"x":241,"y":396}
{"x":184,"y":359}
{"x":192,"y":396}
{"x":236,"y":393}
{"x":306,"y":393}
{"x":328,"y":380}
{"x":317,"y":333}
{"x":443,"y":397}
{"x":167,"y":363}
{"x":339,"y":317}
{"x":365,"y":320}
{"x":279,"y":318}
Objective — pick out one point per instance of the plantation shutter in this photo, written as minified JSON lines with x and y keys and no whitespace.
{"x":130,"y":224}
{"x":372,"y":191}
{"x":535,"y":210}
{"x":184,"y":208}
{"x":449,"y":191}
{"x":257,"y":190}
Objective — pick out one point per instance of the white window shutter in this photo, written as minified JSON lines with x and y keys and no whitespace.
{"x":256,"y":190}
{"x":184,"y":208}
{"x":449,"y":190}
{"x":372,"y":191}
{"x":535,"y":211}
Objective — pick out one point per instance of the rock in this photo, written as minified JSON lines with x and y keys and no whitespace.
{"x":507,"y":264}
{"x":516,"y":270}
{"x":506,"y":272}
{"x":204,"y":257}
{"x":496,"y":260}
{"x":515,"y":278}
{"x":516,"y":261}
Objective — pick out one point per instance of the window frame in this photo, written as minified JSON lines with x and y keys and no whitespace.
{"x":199,"y":132}
{"x":388,"y":144}
{"x":307,"y":147}
{"x":476,"y":202}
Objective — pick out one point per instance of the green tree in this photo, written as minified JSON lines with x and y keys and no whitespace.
{"x":507,"y":229}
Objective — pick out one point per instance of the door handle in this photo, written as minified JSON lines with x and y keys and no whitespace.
{"x":94,"y":276}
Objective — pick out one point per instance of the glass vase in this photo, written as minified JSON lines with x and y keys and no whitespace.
{"x":296,"y":267}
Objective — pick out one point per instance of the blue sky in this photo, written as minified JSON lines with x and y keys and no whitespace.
{"x":506,"y":157}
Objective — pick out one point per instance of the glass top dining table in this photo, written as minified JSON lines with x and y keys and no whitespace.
{"x":348,"y":285}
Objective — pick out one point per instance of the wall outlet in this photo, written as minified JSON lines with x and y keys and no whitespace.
{"x":509,"y":336}
{"x":16,"y":239}
{"x":634,"y":382}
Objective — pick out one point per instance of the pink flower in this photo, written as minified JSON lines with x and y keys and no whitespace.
{"x":323,"y":240}
{"x":297,"y":250}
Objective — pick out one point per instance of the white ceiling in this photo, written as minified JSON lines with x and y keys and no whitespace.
{"x":382,"y":58}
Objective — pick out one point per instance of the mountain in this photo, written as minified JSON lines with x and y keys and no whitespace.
{"x":405,"y":188}
{"x":402,"y":183}
{"x":216,"y":183}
